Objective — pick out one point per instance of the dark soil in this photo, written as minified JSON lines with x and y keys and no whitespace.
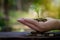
{"x":41,"y":19}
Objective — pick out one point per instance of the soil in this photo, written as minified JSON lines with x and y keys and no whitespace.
{"x":41,"y":19}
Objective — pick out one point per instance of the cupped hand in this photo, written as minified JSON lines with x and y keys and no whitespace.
{"x":39,"y":26}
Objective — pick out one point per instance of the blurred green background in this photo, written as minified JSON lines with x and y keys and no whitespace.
{"x":11,"y":10}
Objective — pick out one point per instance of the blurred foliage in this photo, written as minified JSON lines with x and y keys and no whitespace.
{"x":40,"y":2}
{"x":46,"y":5}
{"x":12,"y":2}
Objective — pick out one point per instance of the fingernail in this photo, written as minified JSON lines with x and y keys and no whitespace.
{"x":20,"y":19}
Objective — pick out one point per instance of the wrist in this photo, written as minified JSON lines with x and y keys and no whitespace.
{"x":57,"y":25}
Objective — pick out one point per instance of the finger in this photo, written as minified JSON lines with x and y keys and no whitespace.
{"x":38,"y":25}
{"x":34,"y":22}
{"x":29,"y":25}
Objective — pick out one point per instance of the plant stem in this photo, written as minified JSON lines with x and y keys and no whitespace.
{"x":38,"y":14}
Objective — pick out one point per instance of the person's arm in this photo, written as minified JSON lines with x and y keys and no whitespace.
{"x":41,"y":26}
{"x":52,"y":24}
{"x":57,"y":24}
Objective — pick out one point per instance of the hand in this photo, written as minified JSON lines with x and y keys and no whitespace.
{"x":40,"y":26}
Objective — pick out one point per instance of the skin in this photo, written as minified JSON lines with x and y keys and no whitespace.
{"x":50,"y":24}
